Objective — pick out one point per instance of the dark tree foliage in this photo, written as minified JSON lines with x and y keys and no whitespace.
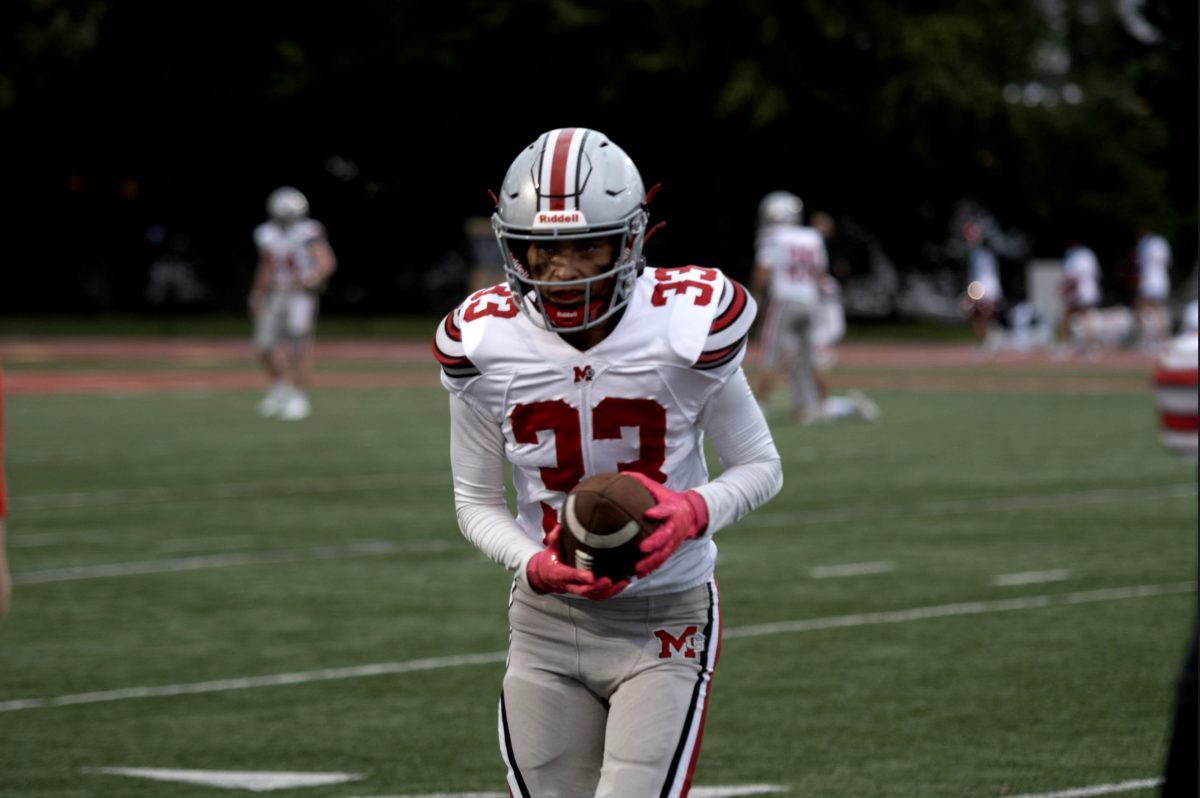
{"x":397,"y":117}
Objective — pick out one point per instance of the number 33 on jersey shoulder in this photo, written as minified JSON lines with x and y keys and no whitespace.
{"x":629,"y":403}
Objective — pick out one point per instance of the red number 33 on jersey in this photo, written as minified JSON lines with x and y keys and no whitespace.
{"x":678,"y":280}
{"x":608,"y":417}
{"x":494,"y":301}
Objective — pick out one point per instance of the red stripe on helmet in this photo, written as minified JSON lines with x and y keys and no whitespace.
{"x":558,"y":169}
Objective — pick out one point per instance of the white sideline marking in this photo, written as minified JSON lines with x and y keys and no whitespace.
{"x":245,"y":683}
{"x":367,"y":548}
{"x":152,"y":494}
{"x":488,"y":658}
{"x":731,"y":791}
{"x":760,"y":520}
{"x":191,"y":544}
{"x":766,"y":518}
{"x":952,"y":610}
{"x":1099,"y":789}
{"x":763,"y":518}
{"x":1031,"y":577}
{"x":255,"y":781}
{"x":850,"y":569}
{"x":29,"y":540}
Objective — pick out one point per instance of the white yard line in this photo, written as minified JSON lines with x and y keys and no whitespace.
{"x":766,"y":518}
{"x":965,"y":608}
{"x":151,"y":494}
{"x":254,"y":781}
{"x":1099,"y":789}
{"x":489,"y":658}
{"x":194,"y":543}
{"x":760,"y":520}
{"x":24,"y":539}
{"x":26,"y":503}
{"x":249,"y":682}
{"x":732,"y":791}
{"x":850,"y":569}
{"x":366,"y":548}
{"x":1031,"y":577}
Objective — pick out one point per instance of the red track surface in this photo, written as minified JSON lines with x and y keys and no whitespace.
{"x":229,"y":365}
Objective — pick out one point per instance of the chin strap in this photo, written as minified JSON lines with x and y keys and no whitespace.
{"x":568,"y":318}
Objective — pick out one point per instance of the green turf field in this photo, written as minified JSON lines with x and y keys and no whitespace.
{"x":983,"y":595}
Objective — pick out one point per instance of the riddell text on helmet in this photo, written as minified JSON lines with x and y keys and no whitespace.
{"x":573,"y":218}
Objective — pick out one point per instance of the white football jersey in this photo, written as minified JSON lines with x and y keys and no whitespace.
{"x":982,"y":268}
{"x":797,"y":260}
{"x":630,"y":403}
{"x":1154,"y":261}
{"x":288,"y":250}
{"x":1082,"y":269}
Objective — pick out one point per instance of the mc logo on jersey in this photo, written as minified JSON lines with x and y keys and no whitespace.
{"x":687,"y":644}
{"x":584,"y":374}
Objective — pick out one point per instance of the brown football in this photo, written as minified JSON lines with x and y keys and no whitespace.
{"x":602,"y":524}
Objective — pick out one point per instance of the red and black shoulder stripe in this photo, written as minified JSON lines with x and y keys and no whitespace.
{"x":449,"y":351}
{"x":730,"y":327}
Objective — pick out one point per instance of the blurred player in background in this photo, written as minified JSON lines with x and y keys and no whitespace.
{"x":295,"y":262}
{"x":5,"y":578}
{"x":1153,"y":261}
{"x":790,"y":267}
{"x":984,"y":297}
{"x":1079,"y":291}
{"x":828,"y":331}
{"x":587,"y":361}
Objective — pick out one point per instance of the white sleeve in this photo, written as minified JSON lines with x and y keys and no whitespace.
{"x":752,"y":473}
{"x":477,"y":461}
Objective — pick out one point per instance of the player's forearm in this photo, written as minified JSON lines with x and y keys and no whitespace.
{"x":324,"y":261}
{"x":477,"y":460}
{"x":753,"y":472}
{"x":739,"y":490}
{"x":492,"y":530}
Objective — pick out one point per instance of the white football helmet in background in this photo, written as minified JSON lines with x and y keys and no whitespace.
{"x":572,"y":183}
{"x":286,"y":205}
{"x":780,"y":207}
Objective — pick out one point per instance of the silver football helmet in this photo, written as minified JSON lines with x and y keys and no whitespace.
{"x":780,"y":207}
{"x":572,"y":183}
{"x":286,"y":205}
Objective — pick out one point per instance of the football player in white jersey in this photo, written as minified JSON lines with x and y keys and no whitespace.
{"x":984,"y":295}
{"x":588,"y":361}
{"x":1079,"y":291}
{"x":791,"y":263}
{"x":295,"y":262}
{"x":1153,"y":259}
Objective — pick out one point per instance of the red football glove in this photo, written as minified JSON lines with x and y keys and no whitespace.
{"x":683,"y":515}
{"x":548,"y":574}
